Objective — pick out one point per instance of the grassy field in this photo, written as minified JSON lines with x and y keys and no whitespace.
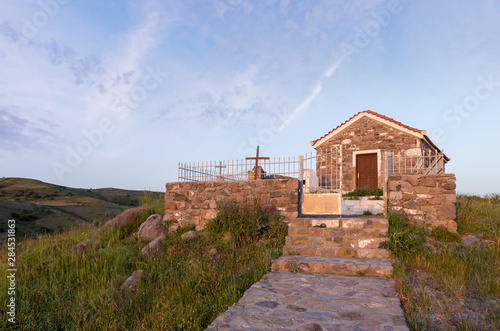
{"x":442,"y":283}
{"x":184,"y":288}
{"x":40,"y":207}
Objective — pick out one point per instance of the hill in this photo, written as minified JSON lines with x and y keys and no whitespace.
{"x":40,"y":207}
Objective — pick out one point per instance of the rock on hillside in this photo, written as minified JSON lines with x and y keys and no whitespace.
{"x":132,"y":281}
{"x":127,"y":217}
{"x":153,"y":248}
{"x":152,"y":228}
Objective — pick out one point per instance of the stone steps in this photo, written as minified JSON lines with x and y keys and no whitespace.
{"x":346,"y":246}
{"x":337,"y":232}
{"x":359,"y":253}
{"x":345,"y":223}
{"x":334,"y":265}
{"x":352,"y":242}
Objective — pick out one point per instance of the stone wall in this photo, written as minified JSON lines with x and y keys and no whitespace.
{"x":427,"y":200}
{"x":370,"y":136}
{"x":196,"y":202}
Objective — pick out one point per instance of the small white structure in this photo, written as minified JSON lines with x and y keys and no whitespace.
{"x":310,"y":180}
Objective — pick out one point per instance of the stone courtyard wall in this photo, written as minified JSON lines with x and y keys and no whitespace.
{"x":427,"y":200}
{"x":196,"y":202}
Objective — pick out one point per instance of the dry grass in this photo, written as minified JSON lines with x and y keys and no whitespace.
{"x":185,"y":287}
{"x":446,"y":285}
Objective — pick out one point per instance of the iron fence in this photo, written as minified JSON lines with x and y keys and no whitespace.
{"x":320,"y":172}
{"x":425,"y":163}
{"x":323,"y":171}
{"x":230,"y":170}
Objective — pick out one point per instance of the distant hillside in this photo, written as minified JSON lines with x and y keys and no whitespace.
{"x":40,"y":207}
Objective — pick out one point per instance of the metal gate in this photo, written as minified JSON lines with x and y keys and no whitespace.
{"x":322,"y":182}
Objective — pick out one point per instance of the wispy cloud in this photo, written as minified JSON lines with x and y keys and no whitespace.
{"x":64,"y":82}
{"x":18,"y":132}
{"x":316,"y":91}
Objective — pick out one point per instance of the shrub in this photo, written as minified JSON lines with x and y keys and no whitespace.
{"x":247,"y":222}
{"x":364,"y":192}
{"x":404,"y":238}
{"x":445,"y":235}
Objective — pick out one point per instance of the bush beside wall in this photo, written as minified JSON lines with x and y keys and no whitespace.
{"x":196,"y":202}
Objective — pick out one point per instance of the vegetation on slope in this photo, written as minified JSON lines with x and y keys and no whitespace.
{"x":184,"y":288}
{"x":442,"y":283}
{"x":40,"y":207}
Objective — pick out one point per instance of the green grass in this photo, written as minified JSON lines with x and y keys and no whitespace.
{"x":322,"y":225}
{"x":448,"y":285}
{"x":185,"y":287}
{"x":479,"y":215}
{"x":247,"y":222}
{"x":445,"y":236}
{"x":364,"y":192}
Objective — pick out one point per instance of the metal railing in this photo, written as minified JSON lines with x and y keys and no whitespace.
{"x":427,"y":163}
{"x":320,"y":172}
{"x":230,"y":170}
{"x":323,"y":171}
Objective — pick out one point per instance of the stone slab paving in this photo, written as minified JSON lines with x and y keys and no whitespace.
{"x":315,"y":302}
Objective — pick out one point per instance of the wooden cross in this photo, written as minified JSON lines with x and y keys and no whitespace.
{"x":257,"y":158}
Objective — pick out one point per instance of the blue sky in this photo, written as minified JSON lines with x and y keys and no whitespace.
{"x":116,"y":93}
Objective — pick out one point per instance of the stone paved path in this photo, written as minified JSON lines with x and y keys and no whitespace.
{"x":298,"y":301}
{"x":314,"y":286}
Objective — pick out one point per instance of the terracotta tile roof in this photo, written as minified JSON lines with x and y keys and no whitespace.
{"x":375,"y":114}
{"x":435,"y":147}
{"x":421,"y":132}
{"x":393,"y":121}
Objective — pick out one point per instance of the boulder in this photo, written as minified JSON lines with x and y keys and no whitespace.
{"x":128,"y":216}
{"x":174,"y":227}
{"x":190,"y":235}
{"x":152,"y":228}
{"x":131,"y":281}
{"x":83,"y":247}
{"x":153,"y":248}
{"x":227,"y":236}
{"x":469,"y":240}
{"x":213,"y":252}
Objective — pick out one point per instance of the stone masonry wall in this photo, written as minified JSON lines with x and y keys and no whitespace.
{"x":368,"y":134}
{"x":427,"y":200}
{"x":196,"y":202}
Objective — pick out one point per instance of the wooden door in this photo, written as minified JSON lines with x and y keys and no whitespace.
{"x":366,"y":171}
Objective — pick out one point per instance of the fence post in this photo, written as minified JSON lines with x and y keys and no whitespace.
{"x":301,"y":168}
{"x":341,"y":175}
